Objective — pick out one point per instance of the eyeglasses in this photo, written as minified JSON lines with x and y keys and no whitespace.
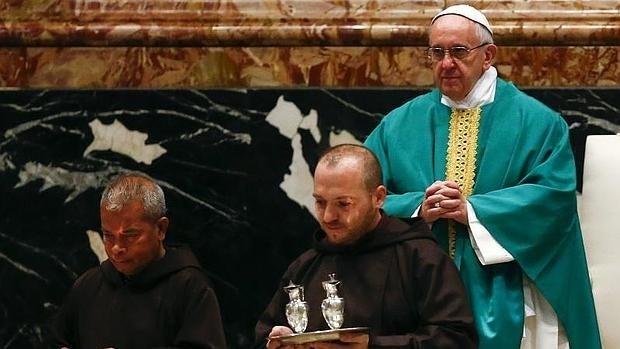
{"x":437,"y":54}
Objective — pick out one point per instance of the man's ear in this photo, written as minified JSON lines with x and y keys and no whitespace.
{"x":162,"y":224}
{"x":489,"y":55}
{"x":380,"y":195}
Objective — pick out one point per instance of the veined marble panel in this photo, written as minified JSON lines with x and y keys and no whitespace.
{"x":235,"y":165}
{"x":216,"y":67}
{"x":287,"y":22}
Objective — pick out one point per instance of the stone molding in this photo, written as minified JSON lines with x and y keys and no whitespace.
{"x":293,"y":22}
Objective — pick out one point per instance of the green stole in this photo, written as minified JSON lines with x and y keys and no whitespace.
{"x":490,"y":311}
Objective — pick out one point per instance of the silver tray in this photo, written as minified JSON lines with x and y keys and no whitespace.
{"x":318,"y":336}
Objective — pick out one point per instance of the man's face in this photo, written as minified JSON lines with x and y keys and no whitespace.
{"x":345,"y":208}
{"x":132,"y":241}
{"x":456,"y":77}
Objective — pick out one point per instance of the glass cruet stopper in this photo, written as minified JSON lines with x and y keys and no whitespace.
{"x":297,"y":308}
{"x":332,"y":306}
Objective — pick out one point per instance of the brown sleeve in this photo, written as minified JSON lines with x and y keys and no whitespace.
{"x":437,"y":295}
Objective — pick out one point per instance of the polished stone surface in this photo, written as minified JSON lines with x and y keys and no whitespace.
{"x":235,"y":165}
{"x":311,"y":43}
{"x":307,"y":22}
{"x":251,"y":67}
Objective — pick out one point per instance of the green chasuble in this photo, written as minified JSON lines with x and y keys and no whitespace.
{"x":524,"y":194}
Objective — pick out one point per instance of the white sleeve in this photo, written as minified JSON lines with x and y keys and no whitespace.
{"x":416,"y":212}
{"x":488,"y":250}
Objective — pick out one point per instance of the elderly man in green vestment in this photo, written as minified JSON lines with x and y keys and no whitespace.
{"x":491,"y":169}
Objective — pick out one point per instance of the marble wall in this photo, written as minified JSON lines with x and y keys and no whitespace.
{"x":289,"y":67}
{"x":301,"y":43}
{"x":228,"y":104}
{"x":293,"y":23}
{"x":235,"y":165}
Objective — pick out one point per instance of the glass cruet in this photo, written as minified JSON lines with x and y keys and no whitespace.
{"x":297,"y":308}
{"x":333,"y":305}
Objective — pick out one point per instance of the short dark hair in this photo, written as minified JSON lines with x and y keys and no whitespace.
{"x":131,"y":186}
{"x":371,"y":169}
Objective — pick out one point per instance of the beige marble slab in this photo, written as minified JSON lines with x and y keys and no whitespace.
{"x":293,"y":22}
{"x":256,"y":67}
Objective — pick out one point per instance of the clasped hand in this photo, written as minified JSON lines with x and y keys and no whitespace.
{"x":443,"y":199}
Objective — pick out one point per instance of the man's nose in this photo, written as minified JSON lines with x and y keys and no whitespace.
{"x":447,"y":60}
{"x":117,"y":247}
{"x":330,"y":214}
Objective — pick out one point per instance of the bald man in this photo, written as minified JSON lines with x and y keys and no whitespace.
{"x":395,"y":279}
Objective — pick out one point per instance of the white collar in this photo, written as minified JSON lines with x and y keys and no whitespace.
{"x":481,"y":94}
